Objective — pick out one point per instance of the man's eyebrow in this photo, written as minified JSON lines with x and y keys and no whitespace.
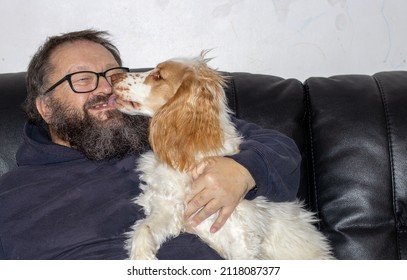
{"x":76,"y":68}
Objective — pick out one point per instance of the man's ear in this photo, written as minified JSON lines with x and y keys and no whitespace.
{"x":43,"y":108}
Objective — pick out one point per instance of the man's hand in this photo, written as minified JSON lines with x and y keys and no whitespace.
{"x":219,"y":183}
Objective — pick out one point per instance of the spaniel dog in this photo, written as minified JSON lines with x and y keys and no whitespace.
{"x":190,"y":121}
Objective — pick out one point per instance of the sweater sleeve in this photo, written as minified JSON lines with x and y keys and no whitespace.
{"x":272,"y":159}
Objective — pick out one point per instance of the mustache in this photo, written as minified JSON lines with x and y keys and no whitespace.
{"x":99,"y":99}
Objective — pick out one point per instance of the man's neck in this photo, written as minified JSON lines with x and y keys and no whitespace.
{"x":56,"y":139}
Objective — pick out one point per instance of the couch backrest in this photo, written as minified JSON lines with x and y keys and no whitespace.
{"x":12,"y":93}
{"x":272,"y":102}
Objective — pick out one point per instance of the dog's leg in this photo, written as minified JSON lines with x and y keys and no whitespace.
{"x":292,"y":234}
{"x":143,"y":245}
{"x":241,"y":236}
{"x":150,"y":233}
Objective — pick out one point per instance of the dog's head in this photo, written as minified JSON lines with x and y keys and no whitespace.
{"x":185,"y":98}
{"x":143,"y":93}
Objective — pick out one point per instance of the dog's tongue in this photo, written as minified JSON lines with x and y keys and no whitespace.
{"x":111,"y":101}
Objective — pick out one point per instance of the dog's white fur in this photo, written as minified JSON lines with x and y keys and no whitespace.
{"x":257,"y":229}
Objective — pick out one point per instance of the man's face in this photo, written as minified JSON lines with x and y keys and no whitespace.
{"x":83,"y":56}
{"x":89,"y":122}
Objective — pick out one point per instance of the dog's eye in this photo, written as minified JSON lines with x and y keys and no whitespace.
{"x":157,"y":76}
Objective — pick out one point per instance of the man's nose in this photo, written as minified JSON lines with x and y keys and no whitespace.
{"x":104,"y":87}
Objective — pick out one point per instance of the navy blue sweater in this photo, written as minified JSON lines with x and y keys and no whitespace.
{"x":59,"y":205}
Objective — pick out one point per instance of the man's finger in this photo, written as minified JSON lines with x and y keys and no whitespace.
{"x":197,"y":202}
{"x":223,"y":215}
{"x":208,"y":210}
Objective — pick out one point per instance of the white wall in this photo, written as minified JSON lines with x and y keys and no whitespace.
{"x":287,"y":38}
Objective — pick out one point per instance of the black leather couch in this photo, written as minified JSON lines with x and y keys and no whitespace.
{"x":351,"y":131}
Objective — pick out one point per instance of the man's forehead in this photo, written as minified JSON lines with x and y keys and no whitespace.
{"x":81,"y":56}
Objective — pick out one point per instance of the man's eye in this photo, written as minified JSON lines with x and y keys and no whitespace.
{"x":82,"y":78}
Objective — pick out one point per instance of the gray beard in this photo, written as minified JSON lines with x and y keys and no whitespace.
{"x":116,"y":137}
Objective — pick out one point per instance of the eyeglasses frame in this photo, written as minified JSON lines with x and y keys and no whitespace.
{"x":68,"y":78}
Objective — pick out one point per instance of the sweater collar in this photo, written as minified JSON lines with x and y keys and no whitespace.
{"x":38,"y":148}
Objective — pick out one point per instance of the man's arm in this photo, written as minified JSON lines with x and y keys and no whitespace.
{"x":273,"y":160}
{"x":268,"y":164}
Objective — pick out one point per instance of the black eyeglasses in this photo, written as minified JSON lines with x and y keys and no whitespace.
{"x":87,"y":81}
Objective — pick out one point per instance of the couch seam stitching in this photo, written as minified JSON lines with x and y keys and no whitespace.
{"x":391,"y":156}
{"x":231,"y":85}
{"x":311,"y":145}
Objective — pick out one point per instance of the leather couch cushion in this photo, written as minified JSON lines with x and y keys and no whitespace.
{"x":353,"y":120}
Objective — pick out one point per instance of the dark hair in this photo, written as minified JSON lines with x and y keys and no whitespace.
{"x":40,"y":66}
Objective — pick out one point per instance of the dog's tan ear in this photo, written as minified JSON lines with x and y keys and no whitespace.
{"x":189,"y":122}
